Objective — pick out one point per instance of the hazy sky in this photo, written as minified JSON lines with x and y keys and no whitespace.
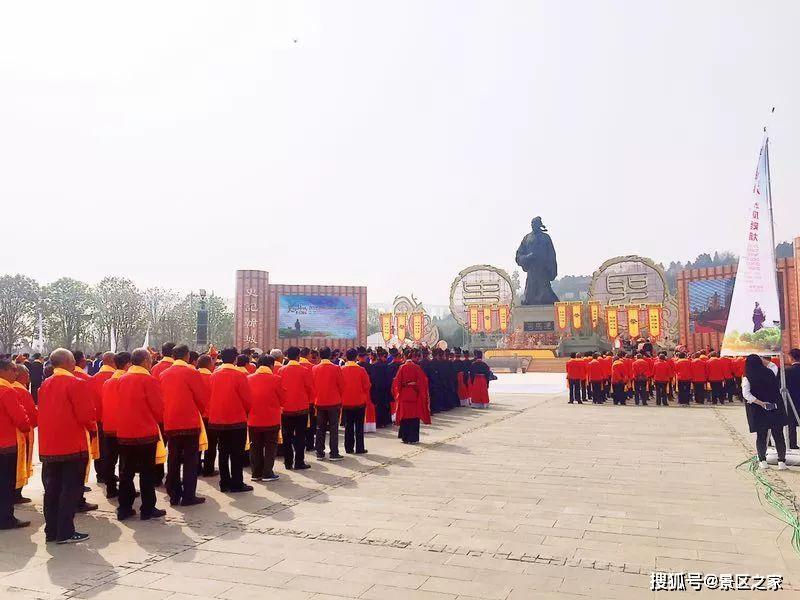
{"x":387,"y":144}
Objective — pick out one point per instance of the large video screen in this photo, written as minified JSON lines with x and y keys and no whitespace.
{"x":709,"y":304}
{"x":317,"y":317}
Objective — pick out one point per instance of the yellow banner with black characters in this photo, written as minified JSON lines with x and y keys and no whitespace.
{"x":594,"y":313}
{"x":417,"y":321}
{"x":561,"y":315}
{"x":612,"y":322}
{"x":577,"y":315}
{"x":386,"y":326}
{"x":473,"y":319}
{"x":402,"y":326}
{"x":633,"y":320}
{"x":502,"y":316}
{"x":654,"y":320}
{"x":487,"y":319}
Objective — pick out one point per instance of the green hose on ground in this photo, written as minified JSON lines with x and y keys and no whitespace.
{"x":787,"y":514}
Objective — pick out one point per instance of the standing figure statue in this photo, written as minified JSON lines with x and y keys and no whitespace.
{"x":537,"y":257}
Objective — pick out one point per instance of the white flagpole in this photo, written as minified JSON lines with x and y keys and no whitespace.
{"x":146,"y":343}
{"x":41,"y":335}
{"x":113,"y":339}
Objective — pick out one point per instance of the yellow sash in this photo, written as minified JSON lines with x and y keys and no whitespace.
{"x":203,"y":436}
{"x":161,"y":451}
{"x":22,"y":460}
{"x":247,"y":441}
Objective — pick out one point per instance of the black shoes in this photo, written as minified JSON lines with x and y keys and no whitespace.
{"x":21,"y":500}
{"x":15,"y":524}
{"x":335,"y":457}
{"x":75,"y":538}
{"x":240,"y":488}
{"x":271,"y":477}
{"x":362,"y":451}
{"x":125,"y":513}
{"x":192,"y":501}
{"x":156,"y":513}
{"x":86,"y":507}
{"x":302,"y":467}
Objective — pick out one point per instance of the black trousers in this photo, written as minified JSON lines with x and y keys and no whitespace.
{"x":575,"y":390}
{"x":699,"y":393}
{"x":780,"y":443}
{"x":210,"y":455}
{"x":328,"y":422}
{"x":383,"y":414}
{"x":141,"y":459}
{"x":312,"y":428}
{"x":99,"y":467}
{"x":409,"y":431}
{"x":293,"y":429}
{"x":661,"y":393}
{"x":640,"y":391}
{"x":231,"y":457}
{"x":583,"y":389}
{"x":263,"y":447}
{"x":684,"y":392}
{"x":8,"y":483}
{"x":793,"y":437}
{"x":717,"y":392}
{"x":598,"y":392}
{"x":618,"y":391}
{"x":63,"y":486}
{"x":354,"y":428}
{"x":109,"y":450}
{"x":184,"y":451}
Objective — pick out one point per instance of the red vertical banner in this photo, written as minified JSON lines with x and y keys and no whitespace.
{"x":417,"y":320}
{"x":402,"y":326}
{"x":487,"y":319}
{"x":474,"y":327}
{"x":502,"y":316}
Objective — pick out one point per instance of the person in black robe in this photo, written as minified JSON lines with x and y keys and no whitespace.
{"x":381,"y":389}
{"x":451,"y":380}
{"x":793,"y":385}
{"x":433,"y":371}
{"x":765,"y":411}
{"x":36,"y":371}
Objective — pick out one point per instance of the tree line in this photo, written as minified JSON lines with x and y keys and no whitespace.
{"x":79,"y":315}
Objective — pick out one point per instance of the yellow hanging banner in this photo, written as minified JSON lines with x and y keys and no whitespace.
{"x":561,"y":315}
{"x":473,"y":319}
{"x":417,"y":321}
{"x":654,"y":320}
{"x":487,"y":319}
{"x":402,"y":326}
{"x":633,"y":320}
{"x":386,"y":326}
{"x":612,"y":322}
{"x":594,"y":313}
{"x":577,"y":315}
{"x":502,"y":317}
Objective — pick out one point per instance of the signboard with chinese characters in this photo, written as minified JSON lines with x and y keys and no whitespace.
{"x":251,"y":309}
{"x":479,"y":286}
{"x":628,"y":280}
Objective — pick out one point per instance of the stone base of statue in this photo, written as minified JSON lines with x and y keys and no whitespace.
{"x":534,"y":319}
{"x":584,"y":342}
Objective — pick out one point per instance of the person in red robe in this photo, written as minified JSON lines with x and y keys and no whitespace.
{"x":110,"y":449}
{"x":410,"y":390}
{"x":264,"y":419}
{"x":26,"y":400}
{"x":166,"y":360}
{"x":479,"y":376}
{"x":107,"y":369}
{"x":355,"y":396}
{"x":13,"y":421}
{"x":205,"y":366}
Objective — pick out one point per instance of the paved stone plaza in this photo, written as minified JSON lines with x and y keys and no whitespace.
{"x":532,"y":498}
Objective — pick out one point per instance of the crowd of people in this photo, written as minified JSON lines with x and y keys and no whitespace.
{"x":174,"y":416}
{"x":699,"y":377}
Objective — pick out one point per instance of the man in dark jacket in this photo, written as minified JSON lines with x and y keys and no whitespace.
{"x":793,"y":385}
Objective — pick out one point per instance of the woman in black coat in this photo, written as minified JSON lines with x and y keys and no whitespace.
{"x":765,"y":410}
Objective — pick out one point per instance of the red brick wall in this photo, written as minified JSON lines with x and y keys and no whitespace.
{"x":251,"y":326}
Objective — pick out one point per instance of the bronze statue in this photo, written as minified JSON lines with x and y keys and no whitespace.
{"x":537,"y":257}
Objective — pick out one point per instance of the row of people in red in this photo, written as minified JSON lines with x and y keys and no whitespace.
{"x":640,"y":375}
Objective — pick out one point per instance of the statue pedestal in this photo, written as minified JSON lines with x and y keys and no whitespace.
{"x":536,"y":318}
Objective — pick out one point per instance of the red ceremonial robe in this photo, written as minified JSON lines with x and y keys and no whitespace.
{"x":410,"y":390}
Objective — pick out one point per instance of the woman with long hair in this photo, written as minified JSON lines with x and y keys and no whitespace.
{"x":765,"y":410}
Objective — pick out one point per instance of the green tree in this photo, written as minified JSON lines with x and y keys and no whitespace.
{"x":220,"y":322}
{"x":68,"y":307}
{"x":121,"y":307}
{"x":161,"y":307}
{"x":19,"y":296}
{"x":373,"y":320}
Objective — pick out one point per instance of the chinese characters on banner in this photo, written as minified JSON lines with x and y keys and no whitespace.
{"x":502,"y":316}
{"x":487,"y":319}
{"x":561,"y":315}
{"x":417,"y":321}
{"x":612,"y":322}
{"x":753,"y":325}
{"x":577,"y":315}
{"x":473,"y":319}
{"x":654,"y":320}
{"x":251,"y":317}
{"x":594,"y":313}
{"x":386,"y":326}
{"x":402,"y":326}
{"x":633,"y":321}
